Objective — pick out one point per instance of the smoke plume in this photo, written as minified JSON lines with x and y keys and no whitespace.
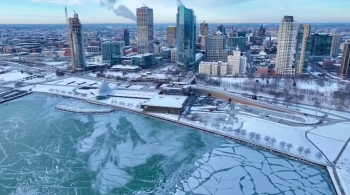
{"x":109,"y":4}
{"x":122,"y":10}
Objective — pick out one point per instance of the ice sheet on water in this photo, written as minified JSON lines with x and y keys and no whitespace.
{"x":288,"y":174}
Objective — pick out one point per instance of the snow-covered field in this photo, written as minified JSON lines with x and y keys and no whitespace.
{"x":344,"y":177}
{"x":14,"y":75}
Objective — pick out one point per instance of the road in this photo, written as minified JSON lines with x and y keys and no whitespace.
{"x":237,"y":99}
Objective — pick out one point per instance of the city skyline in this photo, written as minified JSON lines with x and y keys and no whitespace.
{"x":244,"y":11}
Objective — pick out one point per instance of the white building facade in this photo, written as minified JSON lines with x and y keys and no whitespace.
{"x":286,"y":46}
{"x":233,"y":66}
{"x":213,"y":68}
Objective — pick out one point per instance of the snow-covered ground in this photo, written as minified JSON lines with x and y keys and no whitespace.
{"x":14,"y":75}
{"x":344,"y":177}
{"x":330,"y":139}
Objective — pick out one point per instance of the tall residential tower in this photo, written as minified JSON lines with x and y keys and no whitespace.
{"x":76,"y":44}
{"x":303,"y":48}
{"x":186,"y":38}
{"x":336,"y":41}
{"x":126,"y":37}
{"x":145,"y":34}
{"x":171,"y":35}
{"x":204,"y":29}
{"x":345,"y":65}
{"x":286,"y":46}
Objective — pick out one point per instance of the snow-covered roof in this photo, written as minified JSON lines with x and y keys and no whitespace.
{"x":135,"y":94}
{"x":168,"y":101}
{"x":126,"y":67}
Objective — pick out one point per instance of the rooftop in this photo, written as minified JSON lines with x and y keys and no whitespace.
{"x":168,"y":101}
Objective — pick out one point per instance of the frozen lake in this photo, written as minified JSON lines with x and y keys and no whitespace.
{"x":47,"y":151}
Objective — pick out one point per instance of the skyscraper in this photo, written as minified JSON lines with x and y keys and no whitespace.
{"x":336,"y":41}
{"x":109,"y":49}
{"x":303,"y":48}
{"x":321,"y":44}
{"x":186,"y":38}
{"x":345,"y":65}
{"x":126,"y":37}
{"x":76,"y":44}
{"x":215,"y":48}
{"x":145,"y":34}
{"x":286,"y":46}
{"x":204,"y":29}
{"x":171,"y":35}
{"x":236,"y":63}
{"x":222,"y":29}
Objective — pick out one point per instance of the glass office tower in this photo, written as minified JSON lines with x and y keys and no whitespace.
{"x":186,"y":38}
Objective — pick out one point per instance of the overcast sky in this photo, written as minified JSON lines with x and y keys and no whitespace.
{"x":213,"y":11}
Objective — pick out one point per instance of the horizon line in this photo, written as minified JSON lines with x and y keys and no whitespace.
{"x":175,"y":23}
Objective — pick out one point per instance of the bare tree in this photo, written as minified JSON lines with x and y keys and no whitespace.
{"x":307,"y":151}
{"x":318,"y":155}
{"x":289,"y":146}
{"x":237,"y":132}
{"x":300,"y":149}
{"x":251,"y":135}
{"x":258,"y":136}
{"x":273,"y":141}
{"x":282,"y":144}
{"x":267,"y":139}
{"x":243,"y":132}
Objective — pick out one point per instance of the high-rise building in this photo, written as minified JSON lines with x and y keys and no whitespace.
{"x":171,"y":35}
{"x":303,"y":48}
{"x":186,"y":38}
{"x":262,"y":30}
{"x":204,"y":29}
{"x":222,"y":29}
{"x":233,"y":67}
{"x":215,"y":48}
{"x":345,"y":65}
{"x":336,"y":41}
{"x":110,"y":49}
{"x":126,"y":37}
{"x":145,"y":34}
{"x":286,"y":46}
{"x":173,"y":55}
{"x":321,"y":44}
{"x":76,"y":44}
{"x":233,"y":42}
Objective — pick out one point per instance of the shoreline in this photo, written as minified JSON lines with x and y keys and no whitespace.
{"x":213,"y":132}
{"x":237,"y":139}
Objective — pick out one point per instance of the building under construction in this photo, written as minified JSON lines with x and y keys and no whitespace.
{"x":76,"y":44}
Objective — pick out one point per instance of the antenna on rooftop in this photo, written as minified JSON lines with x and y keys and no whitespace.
{"x":74,"y":12}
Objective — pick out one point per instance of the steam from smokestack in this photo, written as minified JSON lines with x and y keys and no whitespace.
{"x":122,"y":10}
{"x":109,"y":4}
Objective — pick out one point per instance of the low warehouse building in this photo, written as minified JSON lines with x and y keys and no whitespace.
{"x":172,"y":104}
